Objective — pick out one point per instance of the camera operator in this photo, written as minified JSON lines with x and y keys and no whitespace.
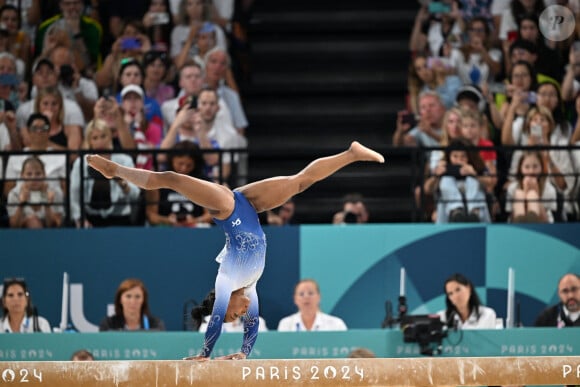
{"x":353,"y":211}
{"x":71,"y":83}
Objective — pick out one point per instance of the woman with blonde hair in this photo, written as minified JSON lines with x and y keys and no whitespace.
{"x":49,"y":101}
{"x":106,"y":202}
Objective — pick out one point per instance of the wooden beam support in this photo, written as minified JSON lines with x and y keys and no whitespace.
{"x":449,"y":371}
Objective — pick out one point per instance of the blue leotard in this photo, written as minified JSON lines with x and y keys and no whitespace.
{"x":241,"y":265}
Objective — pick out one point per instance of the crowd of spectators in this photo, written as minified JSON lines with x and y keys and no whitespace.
{"x":485,"y":74}
{"x":129,"y":79}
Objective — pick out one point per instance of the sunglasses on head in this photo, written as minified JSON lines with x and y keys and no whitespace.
{"x":14,"y":280}
{"x":129,"y":60}
{"x":39,"y":128}
{"x":151,"y":56}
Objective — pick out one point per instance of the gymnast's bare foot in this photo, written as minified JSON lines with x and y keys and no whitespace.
{"x":103,"y":165}
{"x":362,"y":153}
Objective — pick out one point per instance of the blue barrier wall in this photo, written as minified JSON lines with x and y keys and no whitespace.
{"x":358,"y":267}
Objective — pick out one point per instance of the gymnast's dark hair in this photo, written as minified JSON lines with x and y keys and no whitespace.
{"x":200,"y":311}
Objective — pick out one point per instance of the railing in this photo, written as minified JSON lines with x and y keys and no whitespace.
{"x":417,"y":156}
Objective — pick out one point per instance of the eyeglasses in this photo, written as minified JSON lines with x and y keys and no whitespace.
{"x":39,"y":128}
{"x":571,"y":290}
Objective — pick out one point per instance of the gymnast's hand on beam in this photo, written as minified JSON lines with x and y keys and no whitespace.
{"x":233,"y":356}
{"x":196,"y":358}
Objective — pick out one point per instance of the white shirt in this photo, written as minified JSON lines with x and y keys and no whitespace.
{"x":27,"y":325}
{"x":486,"y":319}
{"x":73,"y":114}
{"x":54,"y":166}
{"x":322,"y":322}
{"x":234,"y":326}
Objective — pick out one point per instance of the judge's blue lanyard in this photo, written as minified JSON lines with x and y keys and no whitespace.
{"x":145,"y":324}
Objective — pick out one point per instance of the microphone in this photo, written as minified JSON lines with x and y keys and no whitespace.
{"x":388,"y":321}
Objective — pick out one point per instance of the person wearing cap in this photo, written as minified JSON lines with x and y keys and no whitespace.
{"x":147,"y":134}
{"x":44,"y":75}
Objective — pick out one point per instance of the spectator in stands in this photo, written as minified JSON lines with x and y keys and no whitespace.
{"x":55,"y":165}
{"x":107,"y":109}
{"x":282,"y":215}
{"x":84,"y":33}
{"x":72,"y":84}
{"x":147,"y":134}
{"x":203,"y":315}
{"x":82,"y":355}
{"x":158,"y":23}
{"x":169,"y":208}
{"x":131,"y":73}
{"x":478,"y":61}
{"x":10,"y":83}
{"x":510,"y":19}
{"x":436,"y":164}
{"x":156,"y":68}
{"x":353,"y":210}
{"x":29,"y":18}
{"x":531,"y":198}
{"x":33,"y":202}
{"x":217,"y":63}
{"x":567,"y":312}
{"x":190,"y":84}
{"x":131,"y":44}
{"x":132,"y":310}
{"x":549,"y":60}
{"x":49,"y":101}
{"x":18,"y":40}
{"x":309,"y":317}
{"x":462,"y":186}
{"x":464,"y":309}
{"x":521,"y":94}
{"x":190,"y":125}
{"x":472,"y":129}
{"x":427,"y":133}
{"x":19,"y":315}
{"x":184,"y":34}
{"x":44,"y":76}
{"x":431,"y":74}
{"x":434,"y":30}
{"x":10,"y":138}
{"x":106,"y":202}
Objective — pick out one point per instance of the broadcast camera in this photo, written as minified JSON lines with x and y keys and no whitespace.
{"x":426,"y":330}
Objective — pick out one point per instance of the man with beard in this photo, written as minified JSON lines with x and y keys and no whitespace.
{"x":567,"y":312}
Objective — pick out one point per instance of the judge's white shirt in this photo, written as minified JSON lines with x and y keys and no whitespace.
{"x":322,"y":322}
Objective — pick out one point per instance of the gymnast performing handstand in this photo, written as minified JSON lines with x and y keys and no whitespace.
{"x":244,"y":254}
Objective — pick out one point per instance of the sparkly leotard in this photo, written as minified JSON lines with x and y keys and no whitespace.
{"x":241,"y":265}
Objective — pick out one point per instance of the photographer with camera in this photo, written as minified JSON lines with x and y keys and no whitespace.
{"x":462,"y":194}
{"x":165,"y":207}
{"x":71,"y":83}
{"x":353,"y":211}
{"x":33,"y":202}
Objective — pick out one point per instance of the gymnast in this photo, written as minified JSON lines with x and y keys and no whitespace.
{"x":243,"y":256}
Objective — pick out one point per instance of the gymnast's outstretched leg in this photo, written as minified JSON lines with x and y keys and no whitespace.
{"x":218,"y":199}
{"x":271,"y":193}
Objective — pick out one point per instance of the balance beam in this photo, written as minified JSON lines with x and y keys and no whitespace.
{"x":475,"y":371}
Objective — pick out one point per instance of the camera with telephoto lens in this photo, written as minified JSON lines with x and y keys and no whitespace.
{"x":66,"y":75}
{"x":426,"y":330}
